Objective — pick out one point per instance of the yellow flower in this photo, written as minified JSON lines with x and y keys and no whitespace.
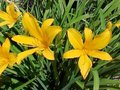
{"x":10,"y":17}
{"x":117,"y":24}
{"x":6,"y":58}
{"x":40,"y":38}
{"x":90,"y":47}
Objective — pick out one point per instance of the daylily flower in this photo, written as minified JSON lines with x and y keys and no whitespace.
{"x":10,"y":16}
{"x":40,"y":39}
{"x":117,"y":24}
{"x":6,"y":57}
{"x":90,"y":47}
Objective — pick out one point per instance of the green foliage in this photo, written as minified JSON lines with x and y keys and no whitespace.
{"x":37,"y":73}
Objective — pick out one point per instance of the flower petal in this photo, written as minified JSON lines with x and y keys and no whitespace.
{"x":47,"y":53}
{"x":88,"y":34}
{"x":4,"y":23}
{"x":47,"y":23}
{"x":72,"y":53}
{"x":100,"y":54}
{"x":9,"y":20}
{"x":109,"y":25}
{"x":24,"y":54}
{"x":85,"y":65}
{"x":11,"y":11}
{"x":100,"y":41}
{"x":11,"y":24}
{"x":12,"y":59}
{"x":75,"y":38}
{"x":6,"y":46}
{"x":117,"y":24}
{"x":25,"y":40}
{"x":51,"y":32}
{"x":5,"y":16}
{"x":30,"y":24}
{"x":2,"y":68}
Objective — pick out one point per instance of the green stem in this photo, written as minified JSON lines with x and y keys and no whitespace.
{"x":56,"y":76}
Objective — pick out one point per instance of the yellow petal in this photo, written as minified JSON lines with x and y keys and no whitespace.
{"x":88,"y":34}
{"x":4,"y":23}
{"x":2,"y":68}
{"x":6,"y":46}
{"x":47,"y":23}
{"x":5,"y":16}
{"x":40,"y":52}
{"x":100,"y":54}
{"x":100,"y":41}
{"x":3,"y":61}
{"x":109,"y":25}
{"x":8,"y":20}
{"x":24,"y":54}
{"x":72,"y":53}
{"x":30,"y":24}
{"x":117,"y":24}
{"x":11,"y":24}
{"x":47,"y":53}
{"x":3,"y":54}
{"x":12,"y":59}
{"x":51,"y":32}
{"x":25,"y":40}
{"x":12,"y":12}
{"x":75,"y":38}
{"x":85,"y":65}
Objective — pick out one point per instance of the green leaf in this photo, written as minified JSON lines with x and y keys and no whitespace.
{"x":109,"y":82}
{"x":96,"y":80}
{"x":102,"y":19}
{"x":70,"y":83}
{"x":25,"y":84}
{"x":67,"y":9}
{"x":78,"y":19}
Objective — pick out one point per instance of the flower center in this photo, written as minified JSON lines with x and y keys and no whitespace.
{"x":85,"y":51}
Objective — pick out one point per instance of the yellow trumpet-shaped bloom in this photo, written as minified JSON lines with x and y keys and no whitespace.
{"x":10,"y":16}
{"x":90,"y":47}
{"x":40,"y":37}
{"x":6,"y":58}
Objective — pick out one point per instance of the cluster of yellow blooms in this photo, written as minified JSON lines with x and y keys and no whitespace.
{"x":40,"y":38}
